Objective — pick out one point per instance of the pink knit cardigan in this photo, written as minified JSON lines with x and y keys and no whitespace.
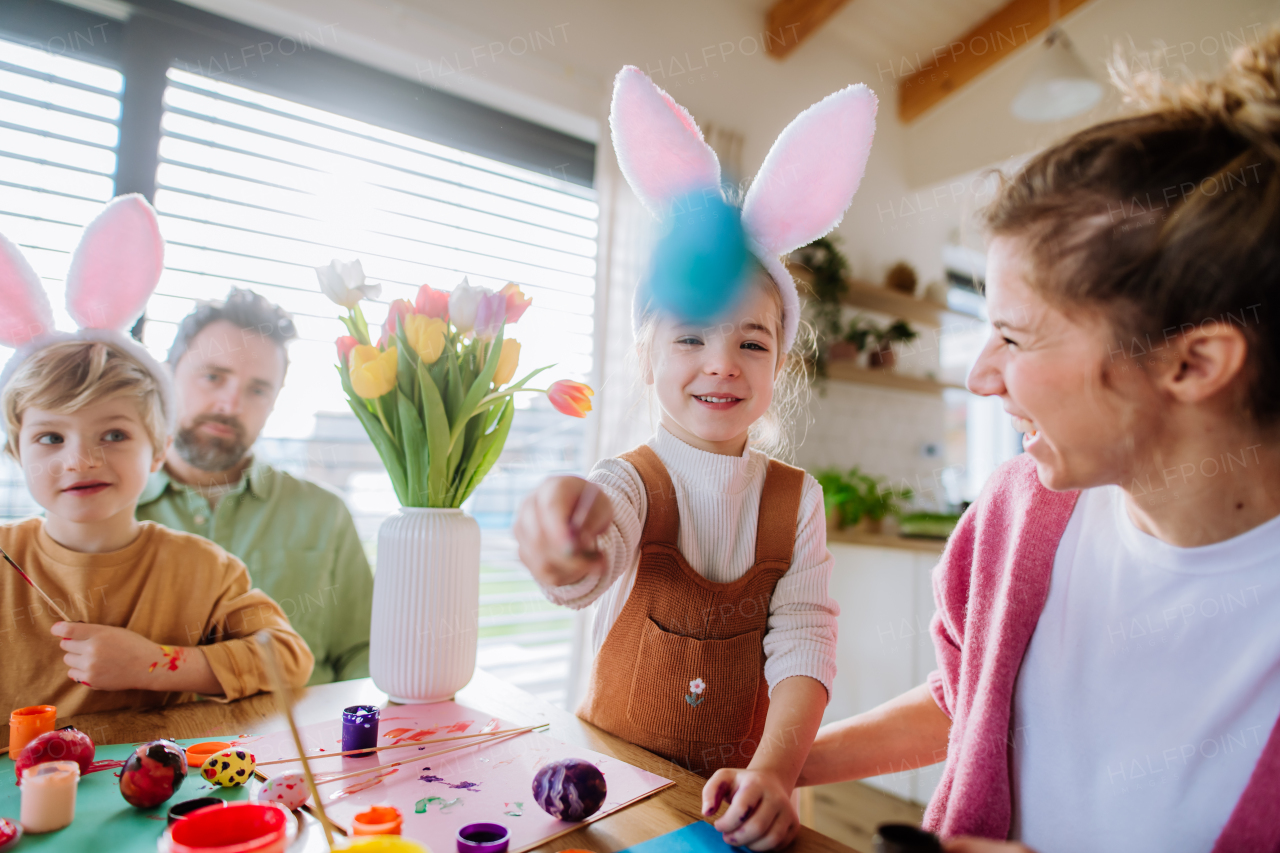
{"x":990,"y":588}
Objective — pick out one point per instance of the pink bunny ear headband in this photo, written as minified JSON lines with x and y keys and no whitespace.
{"x":114,"y":270}
{"x":800,"y":193}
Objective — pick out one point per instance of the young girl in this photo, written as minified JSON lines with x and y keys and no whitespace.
{"x":1108,"y":625}
{"x":715,"y":636}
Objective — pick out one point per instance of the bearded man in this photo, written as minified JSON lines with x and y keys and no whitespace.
{"x":297,"y":537}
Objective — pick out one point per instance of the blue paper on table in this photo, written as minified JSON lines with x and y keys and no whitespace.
{"x":697,"y":837}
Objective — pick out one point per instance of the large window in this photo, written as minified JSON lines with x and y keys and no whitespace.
{"x":59,"y":128}
{"x":256,"y":185}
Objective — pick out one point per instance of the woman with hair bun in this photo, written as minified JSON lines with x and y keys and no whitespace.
{"x":1108,"y":612}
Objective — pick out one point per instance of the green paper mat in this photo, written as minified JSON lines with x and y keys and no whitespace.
{"x":104,"y":821}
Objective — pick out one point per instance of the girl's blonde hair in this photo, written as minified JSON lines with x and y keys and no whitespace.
{"x":774,"y":432}
{"x":67,"y":376}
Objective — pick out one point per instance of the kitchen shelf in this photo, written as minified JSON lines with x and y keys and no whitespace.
{"x":884,"y":540}
{"x":847,"y":371}
{"x":926,"y":312}
{"x":869,"y":297}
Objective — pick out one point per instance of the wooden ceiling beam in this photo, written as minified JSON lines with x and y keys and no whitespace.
{"x":951,"y":66}
{"x":789,"y":22}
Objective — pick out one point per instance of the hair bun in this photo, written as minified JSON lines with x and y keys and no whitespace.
{"x":1244,"y":98}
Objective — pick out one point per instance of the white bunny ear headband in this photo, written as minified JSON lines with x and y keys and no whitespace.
{"x":113,"y":272}
{"x":800,"y":193}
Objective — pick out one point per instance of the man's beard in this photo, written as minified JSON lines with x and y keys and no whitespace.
{"x":210,"y":453}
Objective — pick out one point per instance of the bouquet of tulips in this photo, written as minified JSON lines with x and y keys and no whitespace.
{"x":435,"y":392}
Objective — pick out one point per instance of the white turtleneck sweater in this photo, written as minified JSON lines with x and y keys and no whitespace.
{"x":719,"y":502}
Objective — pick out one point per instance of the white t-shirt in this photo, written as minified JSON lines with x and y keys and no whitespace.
{"x":1149,"y":689}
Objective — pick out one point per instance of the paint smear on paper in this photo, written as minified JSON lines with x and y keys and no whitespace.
{"x":426,"y":803}
{"x":513,"y":809}
{"x":362,"y":785}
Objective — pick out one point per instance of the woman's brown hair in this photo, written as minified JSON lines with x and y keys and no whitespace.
{"x":1169,"y":218}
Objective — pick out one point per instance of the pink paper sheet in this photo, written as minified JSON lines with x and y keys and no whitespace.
{"x":438,"y":796}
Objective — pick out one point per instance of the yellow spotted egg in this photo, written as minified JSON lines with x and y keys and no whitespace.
{"x":228,"y":768}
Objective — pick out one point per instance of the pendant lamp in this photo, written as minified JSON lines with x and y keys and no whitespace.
{"x":1060,"y":86}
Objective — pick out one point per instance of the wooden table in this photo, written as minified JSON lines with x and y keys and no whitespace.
{"x":667,"y":810}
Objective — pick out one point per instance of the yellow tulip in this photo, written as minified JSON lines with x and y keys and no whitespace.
{"x":373,"y":373}
{"x":507,"y":361}
{"x":425,"y":335}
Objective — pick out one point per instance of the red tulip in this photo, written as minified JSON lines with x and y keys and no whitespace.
{"x":345,"y":344}
{"x":517,"y":303}
{"x":432,"y":302}
{"x":398,"y":309}
{"x":570,"y":398}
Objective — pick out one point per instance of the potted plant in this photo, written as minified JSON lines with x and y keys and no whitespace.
{"x":857,"y":499}
{"x":828,"y":285}
{"x":435,"y":394}
{"x":854,"y":340}
{"x":899,"y":331}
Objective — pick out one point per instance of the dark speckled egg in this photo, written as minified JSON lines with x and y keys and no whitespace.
{"x":571,"y":789}
{"x":153,"y":773}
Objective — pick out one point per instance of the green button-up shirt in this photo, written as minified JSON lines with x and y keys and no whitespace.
{"x":300,"y":545}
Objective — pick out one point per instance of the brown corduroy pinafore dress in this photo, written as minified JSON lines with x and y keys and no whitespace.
{"x":681,"y":672}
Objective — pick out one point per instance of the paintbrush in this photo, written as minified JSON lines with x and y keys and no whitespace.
{"x":43,"y":594}
{"x":491,"y":739}
{"x":284,"y":698}
{"x":418,"y":743}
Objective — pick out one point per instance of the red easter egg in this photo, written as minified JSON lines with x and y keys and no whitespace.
{"x":60,"y":745}
{"x":153,"y":773}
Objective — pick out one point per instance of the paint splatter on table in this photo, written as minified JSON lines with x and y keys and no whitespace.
{"x":486,"y":783}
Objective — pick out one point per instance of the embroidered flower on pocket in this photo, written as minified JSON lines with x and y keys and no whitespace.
{"x":695,"y":696}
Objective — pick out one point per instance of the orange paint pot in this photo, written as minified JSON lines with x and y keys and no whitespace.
{"x":27,"y":724}
{"x":198,"y":752}
{"x":377,"y":820}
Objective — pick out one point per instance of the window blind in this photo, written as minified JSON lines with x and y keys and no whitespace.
{"x":59,"y":128}
{"x":254,"y":191}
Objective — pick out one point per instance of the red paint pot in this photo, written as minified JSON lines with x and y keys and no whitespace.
{"x":233,"y":828}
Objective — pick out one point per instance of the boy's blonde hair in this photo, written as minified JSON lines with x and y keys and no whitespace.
{"x":67,"y":376}
{"x":773,"y":432}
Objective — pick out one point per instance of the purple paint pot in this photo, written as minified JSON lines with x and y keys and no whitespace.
{"x":359,"y":729}
{"x":483,"y":838}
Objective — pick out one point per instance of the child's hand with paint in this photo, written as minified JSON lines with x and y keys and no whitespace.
{"x":104,"y":657}
{"x":557,"y":527}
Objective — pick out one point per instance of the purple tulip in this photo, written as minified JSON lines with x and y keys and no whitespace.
{"x":490,"y":315}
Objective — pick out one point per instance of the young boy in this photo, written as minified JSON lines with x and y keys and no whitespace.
{"x":157,"y":615}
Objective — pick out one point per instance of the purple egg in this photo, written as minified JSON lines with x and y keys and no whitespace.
{"x":153,"y":773}
{"x":571,"y":789}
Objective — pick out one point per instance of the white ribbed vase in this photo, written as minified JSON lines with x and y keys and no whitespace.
{"x":426,"y":603}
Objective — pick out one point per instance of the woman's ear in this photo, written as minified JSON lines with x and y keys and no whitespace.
{"x":1204,"y":363}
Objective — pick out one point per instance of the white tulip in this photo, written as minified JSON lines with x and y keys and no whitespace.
{"x":463,"y":302}
{"x":344,"y":283}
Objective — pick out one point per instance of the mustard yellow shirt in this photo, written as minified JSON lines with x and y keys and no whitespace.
{"x":172,"y":588}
